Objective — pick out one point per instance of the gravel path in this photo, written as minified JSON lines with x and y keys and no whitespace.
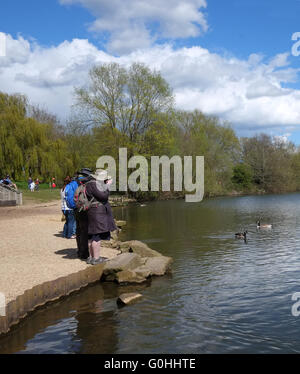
{"x":32,"y":249}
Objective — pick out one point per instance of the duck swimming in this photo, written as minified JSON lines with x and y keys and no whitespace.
{"x":265,"y":226}
{"x":241,"y":235}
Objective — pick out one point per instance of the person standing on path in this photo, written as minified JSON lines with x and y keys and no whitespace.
{"x":69,"y":228}
{"x":67,"y":232}
{"x":81,"y":218}
{"x":100,"y":217}
{"x":83,"y":177}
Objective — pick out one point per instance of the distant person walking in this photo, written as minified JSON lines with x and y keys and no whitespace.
{"x":32,"y":186}
{"x":53,"y":184}
{"x":29,"y":182}
{"x":37,"y":184}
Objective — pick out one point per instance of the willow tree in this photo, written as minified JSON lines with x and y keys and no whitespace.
{"x":25,"y":145}
{"x":128,"y":100}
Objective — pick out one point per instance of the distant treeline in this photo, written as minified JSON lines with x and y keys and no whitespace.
{"x":134,"y":108}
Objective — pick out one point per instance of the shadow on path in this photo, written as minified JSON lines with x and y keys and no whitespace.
{"x":69,"y":253}
{"x":59,"y":235}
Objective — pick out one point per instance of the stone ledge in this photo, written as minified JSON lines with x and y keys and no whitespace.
{"x":39,"y":295}
{"x":135,"y":265}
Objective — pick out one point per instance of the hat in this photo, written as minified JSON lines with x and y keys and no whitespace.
{"x":101,"y":175}
{"x":85,"y":172}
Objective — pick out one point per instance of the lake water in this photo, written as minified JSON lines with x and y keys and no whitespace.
{"x":224,"y":295}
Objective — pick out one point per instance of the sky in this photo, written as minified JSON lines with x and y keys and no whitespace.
{"x":234,"y":59}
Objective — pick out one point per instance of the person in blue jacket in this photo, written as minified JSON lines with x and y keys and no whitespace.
{"x":70,"y":226}
{"x":81,"y":218}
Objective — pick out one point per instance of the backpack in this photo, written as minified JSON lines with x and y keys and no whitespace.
{"x":80,"y":199}
{"x":69,"y":194}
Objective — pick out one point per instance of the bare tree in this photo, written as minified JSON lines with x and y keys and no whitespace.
{"x":126,"y":99}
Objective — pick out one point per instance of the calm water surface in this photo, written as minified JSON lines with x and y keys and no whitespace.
{"x":224,"y":295}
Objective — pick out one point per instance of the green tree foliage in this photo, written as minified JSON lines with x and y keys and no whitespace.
{"x":242,"y":176}
{"x":295,"y":167}
{"x":271,"y":162}
{"x":26,"y":147}
{"x":127,"y":100}
{"x":55,"y":130}
{"x":133,"y":108}
{"x":205,"y":136}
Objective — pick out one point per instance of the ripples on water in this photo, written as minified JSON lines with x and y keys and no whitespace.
{"x":224,"y":296}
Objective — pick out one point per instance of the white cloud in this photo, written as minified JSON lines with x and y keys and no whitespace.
{"x":282,"y":138}
{"x":139,"y":23}
{"x":248,"y":93}
{"x":47,"y":75}
{"x":17,"y":51}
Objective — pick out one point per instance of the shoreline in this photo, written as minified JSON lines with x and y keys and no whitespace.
{"x":37,"y":263}
{"x":39,"y":266}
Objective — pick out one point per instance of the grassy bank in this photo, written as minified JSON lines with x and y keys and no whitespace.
{"x":43,"y":195}
{"x":46,"y":194}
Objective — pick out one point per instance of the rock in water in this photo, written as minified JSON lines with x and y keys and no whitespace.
{"x":120,"y":223}
{"x":128,"y":298}
{"x":139,"y":248}
{"x":124,"y":261}
{"x":158,"y":265}
{"x":129,"y":276}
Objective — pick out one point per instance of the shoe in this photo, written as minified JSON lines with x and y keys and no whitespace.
{"x":73,"y":237}
{"x":99,"y":260}
{"x":82,"y":256}
{"x":89,"y":260}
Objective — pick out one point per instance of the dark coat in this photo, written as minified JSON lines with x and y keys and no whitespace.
{"x":100,"y":217}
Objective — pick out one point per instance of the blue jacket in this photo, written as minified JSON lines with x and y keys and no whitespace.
{"x":69,"y":194}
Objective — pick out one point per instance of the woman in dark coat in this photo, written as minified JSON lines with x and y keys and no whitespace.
{"x":100,"y":217}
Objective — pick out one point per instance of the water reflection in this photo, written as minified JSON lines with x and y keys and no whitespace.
{"x":84,"y":322}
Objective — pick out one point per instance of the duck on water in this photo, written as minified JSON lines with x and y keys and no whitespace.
{"x":241,"y":235}
{"x":264,"y":226}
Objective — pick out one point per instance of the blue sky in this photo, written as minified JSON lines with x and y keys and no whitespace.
{"x":229,"y":58}
{"x":46,"y":21}
{"x":240,"y":27}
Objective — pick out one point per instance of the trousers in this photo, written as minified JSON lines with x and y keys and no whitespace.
{"x":82,"y":234}
{"x":70,"y":225}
